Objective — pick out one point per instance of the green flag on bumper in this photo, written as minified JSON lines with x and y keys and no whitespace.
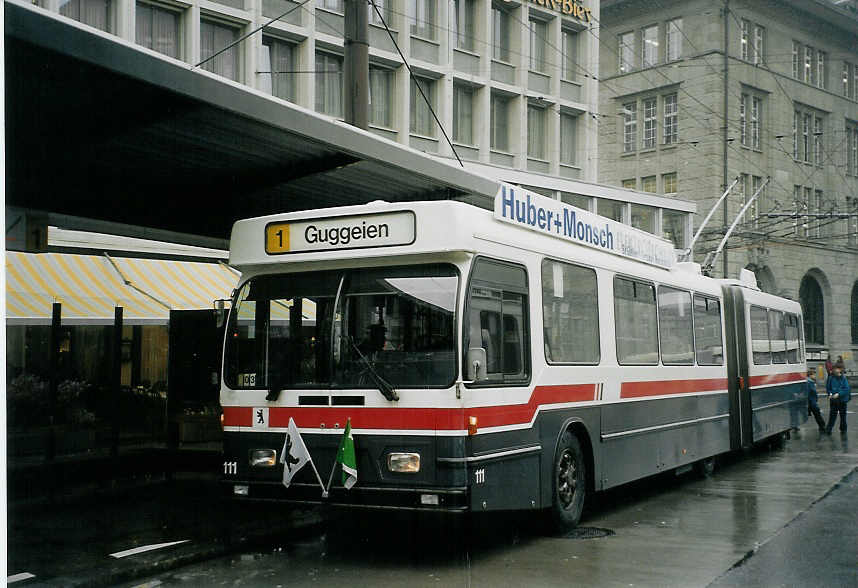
{"x":346,"y":457}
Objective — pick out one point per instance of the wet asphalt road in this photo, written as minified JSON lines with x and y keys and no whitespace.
{"x":766,"y":518}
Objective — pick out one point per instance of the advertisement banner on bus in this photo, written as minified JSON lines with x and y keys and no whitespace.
{"x":557,"y":219}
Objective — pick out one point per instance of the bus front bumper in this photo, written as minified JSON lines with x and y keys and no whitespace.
{"x":449,"y":500}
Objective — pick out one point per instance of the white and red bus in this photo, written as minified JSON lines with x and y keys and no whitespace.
{"x":512,"y":359}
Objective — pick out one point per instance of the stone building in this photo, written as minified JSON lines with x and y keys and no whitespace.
{"x":696,"y":94}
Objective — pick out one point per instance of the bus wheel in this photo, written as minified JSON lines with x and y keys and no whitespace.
{"x":705,"y":467}
{"x":570,"y":483}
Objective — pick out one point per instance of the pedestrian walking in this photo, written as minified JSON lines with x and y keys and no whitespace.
{"x":839,"y":394}
{"x":828,"y":367}
{"x":812,"y":404}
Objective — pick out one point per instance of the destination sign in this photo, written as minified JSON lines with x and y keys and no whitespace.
{"x":341,"y":232}
{"x":557,"y":219}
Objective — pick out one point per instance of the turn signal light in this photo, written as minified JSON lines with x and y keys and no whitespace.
{"x":472,"y":425}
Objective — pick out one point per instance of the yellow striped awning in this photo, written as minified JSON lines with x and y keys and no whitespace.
{"x":90,"y":286}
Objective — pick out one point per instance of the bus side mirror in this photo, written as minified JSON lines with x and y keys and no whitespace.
{"x":477,"y":364}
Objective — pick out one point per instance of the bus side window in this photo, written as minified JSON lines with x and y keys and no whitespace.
{"x":792,"y":337}
{"x":761,"y":350}
{"x":497,"y":319}
{"x":707,"y":331}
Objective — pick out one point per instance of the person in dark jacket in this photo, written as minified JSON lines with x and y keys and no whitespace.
{"x":838,"y":396}
{"x":812,"y":405}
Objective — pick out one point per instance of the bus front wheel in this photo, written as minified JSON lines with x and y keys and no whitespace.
{"x":570,"y":483}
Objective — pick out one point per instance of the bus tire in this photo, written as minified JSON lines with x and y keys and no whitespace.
{"x":705,"y":467}
{"x":569,"y":483}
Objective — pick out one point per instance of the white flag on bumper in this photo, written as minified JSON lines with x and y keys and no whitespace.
{"x":294,"y":454}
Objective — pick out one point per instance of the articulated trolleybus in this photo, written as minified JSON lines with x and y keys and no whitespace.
{"x":512,"y":359}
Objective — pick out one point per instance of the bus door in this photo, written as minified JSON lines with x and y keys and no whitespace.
{"x":741,"y":421}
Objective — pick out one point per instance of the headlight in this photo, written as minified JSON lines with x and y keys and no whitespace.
{"x":263,"y":458}
{"x":406,"y":463}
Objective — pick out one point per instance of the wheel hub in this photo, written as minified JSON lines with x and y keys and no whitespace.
{"x":567,"y":478}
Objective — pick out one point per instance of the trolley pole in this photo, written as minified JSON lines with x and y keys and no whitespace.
{"x":356,"y":63}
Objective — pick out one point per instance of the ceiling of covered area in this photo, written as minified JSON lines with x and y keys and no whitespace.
{"x":98,"y":128}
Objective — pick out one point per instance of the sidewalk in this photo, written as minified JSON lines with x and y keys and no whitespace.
{"x":70,"y":542}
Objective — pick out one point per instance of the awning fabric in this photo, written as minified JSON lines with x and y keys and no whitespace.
{"x":90,"y":286}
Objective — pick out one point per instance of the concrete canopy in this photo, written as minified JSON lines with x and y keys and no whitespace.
{"x":100,"y":128}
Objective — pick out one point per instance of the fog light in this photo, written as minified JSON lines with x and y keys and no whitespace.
{"x":406,"y":463}
{"x":263,"y":458}
{"x":429,"y":499}
{"x":241,"y":490}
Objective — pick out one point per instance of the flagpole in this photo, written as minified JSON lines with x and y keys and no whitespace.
{"x":330,"y":479}
{"x":319,"y":478}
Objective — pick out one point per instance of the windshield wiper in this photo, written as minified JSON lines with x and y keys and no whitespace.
{"x":383,"y":385}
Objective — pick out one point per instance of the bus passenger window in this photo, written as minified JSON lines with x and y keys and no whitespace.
{"x":675,"y":330}
{"x":636,"y":322}
{"x":570,"y":313}
{"x":760,"y":336}
{"x":497,"y":319}
{"x":791,"y":332}
{"x":777,"y":335}
{"x":707,"y":331}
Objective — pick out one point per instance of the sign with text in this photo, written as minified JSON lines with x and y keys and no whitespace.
{"x":557,"y":219}
{"x":567,"y":7}
{"x":341,"y":232}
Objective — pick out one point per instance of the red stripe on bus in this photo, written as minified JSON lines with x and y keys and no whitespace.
{"x":665,"y":387}
{"x":439,"y":419}
{"x":777,"y":379}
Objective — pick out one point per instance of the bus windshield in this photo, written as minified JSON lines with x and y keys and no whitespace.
{"x":333,"y":329}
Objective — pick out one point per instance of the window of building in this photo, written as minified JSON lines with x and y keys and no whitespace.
{"x":669,"y":183}
{"x":501,"y":38}
{"x":673,"y":227}
{"x":820,"y":69}
{"x":845,"y":77}
{"x":756,"y":115}
{"x":463,"y":114}
{"x":796,"y":60}
{"x":636,"y":322}
{"x":752,"y":41}
{"x":851,"y":148}
{"x":422,"y":121}
{"x":381,"y":96}
{"x":158,"y":29}
{"x":761,"y":351}
{"x":671,"y":119}
{"x":812,"y":307}
{"x":626,"y":52}
{"x":817,"y":208}
{"x":817,"y":140}
{"x":384,"y":7}
{"x":568,"y":138}
{"x":95,"y":13}
{"x":630,"y":184}
{"x":805,"y":137}
{"x":676,"y":331}
{"x":576,"y":200}
{"x":569,"y":305}
{"x":329,"y":84}
{"x":648,"y":184}
{"x":463,"y":24}
{"x":498,"y":320}
{"x":570,"y":54}
{"x":423,"y":16}
{"x":630,"y":127}
{"x":707,"y":331}
{"x":806,"y":208}
{"x":673,"y":37}
{"x":808,"y":65}
{"x":796,"y":122}
{"x":753,"y":211}
{"x":854,"y":308}
{"x":276,"y":68}
{"x":649,"y":50}
{"x":759,"y":47}
{"x":612,"y":209}
{"x":332,"y":5}
{"x":538,"y":43}
{"x":535,"y":132}
{"x":750,"y":114}
{"x":745,"y":47}
{"x":743,"y":119}
{"x":214,"y":36}
{"x":650,"y":113}
{"x":499,"y":123}
{"x":643,"y":217}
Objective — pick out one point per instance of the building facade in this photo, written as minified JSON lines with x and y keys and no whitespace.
{"x":680,"y":114}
